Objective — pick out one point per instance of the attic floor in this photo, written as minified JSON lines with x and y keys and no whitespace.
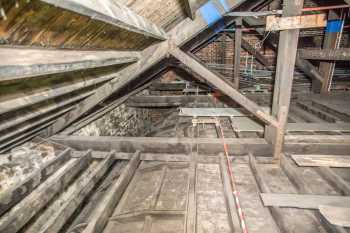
{"x":170,"y":188}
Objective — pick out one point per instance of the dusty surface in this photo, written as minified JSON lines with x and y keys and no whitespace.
{"x":21,"y":162}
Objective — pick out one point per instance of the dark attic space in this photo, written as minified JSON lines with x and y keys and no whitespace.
{"x":174,"y":116}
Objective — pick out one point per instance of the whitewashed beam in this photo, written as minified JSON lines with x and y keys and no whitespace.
{"x":111,"y":12}
{"x":25,"y":62}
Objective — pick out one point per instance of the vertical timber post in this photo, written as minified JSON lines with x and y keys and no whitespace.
{"x":237,"y":59}
{"x":287,"y":51}
{"x":331,"y":41}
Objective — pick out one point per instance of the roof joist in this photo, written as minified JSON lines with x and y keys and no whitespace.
{"x":114,"y":13}
{"x":23,"y":63}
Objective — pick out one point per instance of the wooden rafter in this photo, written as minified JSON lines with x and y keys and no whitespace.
{"x":25,"y":62}
{"x":112,"y":12}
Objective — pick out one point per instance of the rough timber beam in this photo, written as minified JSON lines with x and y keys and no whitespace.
{"x":111,"y":12}
{"x":24,"y":62}
{"x":222,"y":85}
{"x":182,"y":33}
{"x":331,"y":41}
{"x":237,"y":55}
{"x":342,"y":54}
{"x":297,"y":144}
{"x":287,"y":51}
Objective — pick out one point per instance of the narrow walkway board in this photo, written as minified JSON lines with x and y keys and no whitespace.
{"x":339,"y":216}
{"x":302,"y":201}
{"x":211,"y":112}
{"x":322,"y":160}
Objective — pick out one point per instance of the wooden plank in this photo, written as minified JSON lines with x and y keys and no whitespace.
{"x":336,"y":215}
{"x":342,"y":54}
{"x":276,"y":23}
{"x":82,"y":187}
{"x":302,"y":201}
{"x":112,"y":12}
{"x":321,"y":160}
{"x":222,"y":85}
{"x":106,"y":207}
{"x":20,"y":214}
{"x":22,"y":63}
{"x":319,"y":127}
{"x":11,"y":197}
{"x":211,"y":112}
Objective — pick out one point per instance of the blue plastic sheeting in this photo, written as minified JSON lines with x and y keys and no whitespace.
{"x":225,"y":5}
{"x":210,"y":14}
{"x":334,"y":25}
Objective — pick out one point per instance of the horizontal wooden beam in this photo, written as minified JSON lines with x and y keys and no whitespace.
{"x":276,"y":23}
{"x":342,"y":54}
{"x":166,"y":101}
{"x":206,"y":146}
{"x":112,"y":12}
{"x":22,"y":63}
{"x":222,"y":85}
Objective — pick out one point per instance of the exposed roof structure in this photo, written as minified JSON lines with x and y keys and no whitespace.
{"x":247,"y":96}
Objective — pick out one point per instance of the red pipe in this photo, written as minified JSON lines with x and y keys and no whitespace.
{"x":323,"y":8}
